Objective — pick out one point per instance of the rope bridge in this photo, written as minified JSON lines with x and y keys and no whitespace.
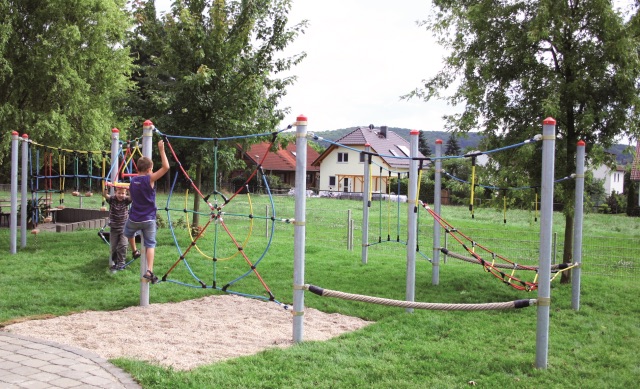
{"x":491,"y":266}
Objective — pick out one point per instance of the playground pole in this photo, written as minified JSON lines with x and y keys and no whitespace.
{"x":13,"y":217}
{"x":23,"y":190}
{"x":147,"y":151}
{"x":412,"y":209}
{"x":366,"y":204}
{"x":546,"y":227}
{"x":577,"y":226}
{"x":115,"y":142}
{"x":437,"y":193}
{"x":299,"y":228}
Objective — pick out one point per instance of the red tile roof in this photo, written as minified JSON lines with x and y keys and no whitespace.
{"x":280,"y":160}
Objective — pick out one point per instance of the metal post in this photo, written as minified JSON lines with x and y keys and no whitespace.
{"x":366,"y":204}
{"x":299,"y":228}
{"x":577,"y":226}
{"x":437,"y":204}
{"x":546,"y":227}
{"x":412,"y":208}
{"x":23,"y":190}
{"x":147,"y":151}
{"x":13,"y":217}
{"x":115,"y":164}
{"x":349,"y":231}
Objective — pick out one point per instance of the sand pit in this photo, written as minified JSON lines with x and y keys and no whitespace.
{"x":187,"y":334}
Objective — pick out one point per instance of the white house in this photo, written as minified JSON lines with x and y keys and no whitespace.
{"x":613,"y":179}
{"x":342,"y":169}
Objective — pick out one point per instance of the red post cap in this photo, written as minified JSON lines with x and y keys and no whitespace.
{"x":147,"y":123}
{"x":549,"y":120}
{"x":367,"y":145}
{"x":24,"y":136}
{"x":114,"y":130}
{"x":414,"y":132}
{"x":301,"y":118}
{"x":581,"y":143}
{"x":14,"y":132}
{"x":438,"y":141}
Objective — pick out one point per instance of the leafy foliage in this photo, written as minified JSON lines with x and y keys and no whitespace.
{"x":518,"y":62}
{"x":63,"y":70}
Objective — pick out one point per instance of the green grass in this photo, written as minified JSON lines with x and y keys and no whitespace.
{"x":592,"y":348}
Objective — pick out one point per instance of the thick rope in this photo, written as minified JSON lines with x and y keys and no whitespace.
{"x":420,"y":305}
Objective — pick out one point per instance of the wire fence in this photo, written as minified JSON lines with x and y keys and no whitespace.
{"x":337,"y":227}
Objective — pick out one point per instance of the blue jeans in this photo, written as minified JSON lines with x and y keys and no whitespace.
{"x":148,"y":229}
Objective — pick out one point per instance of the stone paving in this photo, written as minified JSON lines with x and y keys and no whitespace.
{"x":34,"y":363}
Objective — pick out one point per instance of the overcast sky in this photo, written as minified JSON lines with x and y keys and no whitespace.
{"x":362,"y":55}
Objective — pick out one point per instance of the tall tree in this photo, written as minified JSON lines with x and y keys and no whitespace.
{"x":521,"y":61}
{"x":63,"y":70}
{"x":453,"y":148}
{"x":213,"y":68}
{"x":423,"y":144}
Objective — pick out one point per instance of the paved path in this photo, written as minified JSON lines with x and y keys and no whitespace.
{"x":33,"y":363}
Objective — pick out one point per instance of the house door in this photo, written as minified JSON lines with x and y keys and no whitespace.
{"x":346,"y":185}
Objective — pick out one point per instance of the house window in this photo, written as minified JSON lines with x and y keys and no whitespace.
{"x":343,"y":157}
{"x":332,"y":180}
{"x":362,"y":157}
{"x":616,"y":177}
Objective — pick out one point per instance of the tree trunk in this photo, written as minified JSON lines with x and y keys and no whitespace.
{"x":196,"y":197}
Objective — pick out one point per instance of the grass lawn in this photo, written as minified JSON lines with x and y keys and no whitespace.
{"x":595,"y":347}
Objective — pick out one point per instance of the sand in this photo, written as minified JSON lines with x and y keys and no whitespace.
{"x":187,"y":334}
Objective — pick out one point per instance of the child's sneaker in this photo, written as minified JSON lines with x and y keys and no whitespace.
{"x":121,"y":266}
{"x":136,"y":254}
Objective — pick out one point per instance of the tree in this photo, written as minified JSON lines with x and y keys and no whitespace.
{"x":521,"y":61}
{"x":63,"y":71}
{"x":423,"y":144}
{"x":212,"y":69}
{"x":452,"y":146}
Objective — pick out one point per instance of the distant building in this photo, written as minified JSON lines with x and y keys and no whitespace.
{"x":613,"y":179}
{"x":342,"y":169}
{"x":281,"y":163}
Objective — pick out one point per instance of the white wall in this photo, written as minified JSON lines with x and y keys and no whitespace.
{"x":613,"y":179}
{"x":331,"y":167}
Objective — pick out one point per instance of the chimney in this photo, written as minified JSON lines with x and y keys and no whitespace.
{"x":383,"y":131}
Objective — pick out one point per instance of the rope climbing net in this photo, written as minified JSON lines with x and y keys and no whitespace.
{"x":221,"y":251}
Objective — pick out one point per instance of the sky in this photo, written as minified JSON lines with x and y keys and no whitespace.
{"x":362,"y":55}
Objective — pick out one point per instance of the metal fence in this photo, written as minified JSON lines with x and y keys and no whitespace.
{"x":331,"y":227}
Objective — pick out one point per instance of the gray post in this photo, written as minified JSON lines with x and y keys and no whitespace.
{"x":13,"y":217}
{"x":147,"y":151}
{"x":349,"y":231}
{"x":412,"y":219}
{"x":366,"y":203}
{"x":437,"y":204}
{"x":546,"y":227}
{"x":23,"y":190}
{"x":299,"y":228}
{"x":577,"y":227}
{"x":115,"y":159}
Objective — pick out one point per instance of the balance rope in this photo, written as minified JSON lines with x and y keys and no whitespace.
{"x":420,"y":305}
